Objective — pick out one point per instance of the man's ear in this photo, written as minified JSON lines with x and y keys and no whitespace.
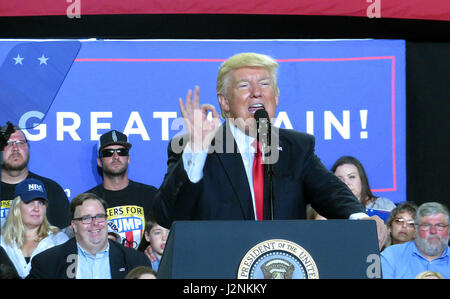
{"x":224,"y":104}
{"x":73,"y":226}
{"x":99,"y":162}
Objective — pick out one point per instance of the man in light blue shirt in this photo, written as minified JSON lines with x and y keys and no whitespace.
{"x":428,"y":252}
{"x":90,"y":255}
{"x":93,"y":266}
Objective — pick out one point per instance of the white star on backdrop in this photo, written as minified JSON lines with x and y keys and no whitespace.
{"x":18,"y":59}
{"x":43,"y":59}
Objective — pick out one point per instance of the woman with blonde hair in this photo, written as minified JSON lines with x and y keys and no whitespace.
{"x":27,"y":231}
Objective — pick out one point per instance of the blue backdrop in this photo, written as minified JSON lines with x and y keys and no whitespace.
{"x":350,"y":94}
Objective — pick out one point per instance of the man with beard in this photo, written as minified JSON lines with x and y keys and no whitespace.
{"x":15,"y":158}
{"x":129,"y":202}
{"x":428,"y":252}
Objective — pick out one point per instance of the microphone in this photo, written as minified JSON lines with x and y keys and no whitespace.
{"x":263,"y":127}
{"x":264,"y":136}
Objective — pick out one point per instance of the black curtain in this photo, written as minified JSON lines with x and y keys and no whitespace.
{"x":428,"y":121}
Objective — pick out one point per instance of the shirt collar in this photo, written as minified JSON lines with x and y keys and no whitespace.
{"x":243,"y":141}
{"x":87,"y":254}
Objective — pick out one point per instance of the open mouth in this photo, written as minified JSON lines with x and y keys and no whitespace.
{"x":253,"y":108}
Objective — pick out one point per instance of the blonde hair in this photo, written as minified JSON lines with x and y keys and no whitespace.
{"x":13,"y":231}
{"x":245,"y":60}
{"x":427,"y":274}
{"x":138,"y":271}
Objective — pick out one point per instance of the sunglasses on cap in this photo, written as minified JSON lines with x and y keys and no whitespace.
{"x":109,"y":152}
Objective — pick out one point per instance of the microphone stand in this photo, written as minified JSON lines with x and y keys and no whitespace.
{"x":271,"y":194}
{"x":264,"y":135}
{"x":270,"y":170}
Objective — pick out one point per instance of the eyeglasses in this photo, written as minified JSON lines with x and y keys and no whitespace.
{"x":401,"y":221}
{"x":427,"y":226}
{"x":99,"y":218}
{"x":109,"y":152}
{"x":16,"y":142}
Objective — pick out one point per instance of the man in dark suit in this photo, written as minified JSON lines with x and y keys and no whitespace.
{"x":211,"y":171}
{"x":90,"y":254}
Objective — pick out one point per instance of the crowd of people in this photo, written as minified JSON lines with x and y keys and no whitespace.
{"x":420,"y":234}
{"x":87,"y":241}
{"x":45,"y":236}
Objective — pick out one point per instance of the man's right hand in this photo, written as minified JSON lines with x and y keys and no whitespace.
{"x":201,"y":130}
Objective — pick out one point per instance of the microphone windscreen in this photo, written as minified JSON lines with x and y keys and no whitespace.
{"x":261,"y":113}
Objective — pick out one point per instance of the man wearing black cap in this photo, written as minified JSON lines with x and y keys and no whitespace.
{"x":129,"y":201}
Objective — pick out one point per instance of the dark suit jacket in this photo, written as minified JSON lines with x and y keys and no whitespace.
{"x":8,"y":270}
{"x":60,"y":262}
{"x":224,"y":193}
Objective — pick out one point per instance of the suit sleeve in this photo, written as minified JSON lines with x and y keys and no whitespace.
{"x":39,"y":268}
{"x":56,"y":262}
{"x":328,"y":195}
{"x":177,"y":196}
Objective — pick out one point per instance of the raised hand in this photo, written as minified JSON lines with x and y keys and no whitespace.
{"x":201,"y":130}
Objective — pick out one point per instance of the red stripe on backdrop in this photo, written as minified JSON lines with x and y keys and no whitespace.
{"x":411,"y":9}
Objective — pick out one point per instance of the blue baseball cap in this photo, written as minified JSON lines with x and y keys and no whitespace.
{"x":31,"y":189}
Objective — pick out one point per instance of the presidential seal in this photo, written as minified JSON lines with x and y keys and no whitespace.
{"x":277,"y":259}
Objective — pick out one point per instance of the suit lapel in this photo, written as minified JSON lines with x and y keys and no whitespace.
{"x":231,"y":162}
{"x":117,"y":262}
